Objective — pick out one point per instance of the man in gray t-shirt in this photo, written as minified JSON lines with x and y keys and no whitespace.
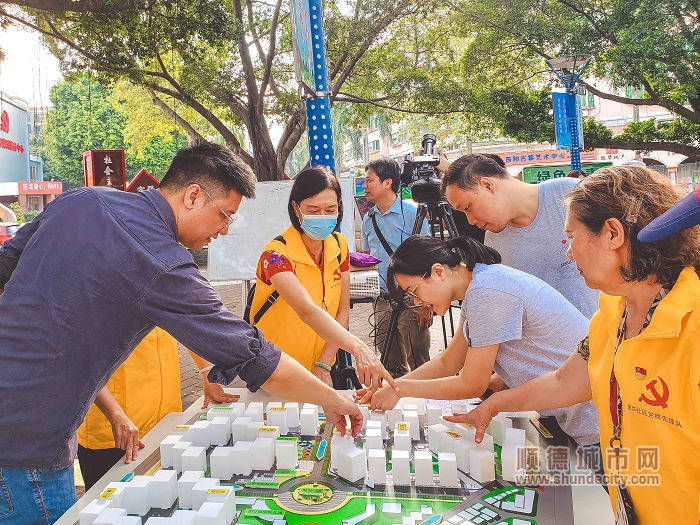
{"x":536,"y":329}
{"x":524,"y":223}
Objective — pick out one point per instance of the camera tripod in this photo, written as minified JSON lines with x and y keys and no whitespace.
{"x":439,"y":219}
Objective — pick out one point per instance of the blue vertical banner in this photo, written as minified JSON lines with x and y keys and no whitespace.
{"x":309,"y":42}
{"x":566,"y":106}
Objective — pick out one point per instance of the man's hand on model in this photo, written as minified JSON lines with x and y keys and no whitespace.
{"x":215,"y":392}
{"x":337,"y":408}
{"x":479,"y":418}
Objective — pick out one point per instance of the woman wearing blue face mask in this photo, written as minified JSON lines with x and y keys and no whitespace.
{"x":302,"y":292}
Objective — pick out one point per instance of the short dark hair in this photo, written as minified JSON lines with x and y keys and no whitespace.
{"x":466,"y":171}
{"x":386,"y":168}
{"x":310,"y":182}
{"x":213,"y":166}
{"x":499,"y":160}
{"x":576,"y":174}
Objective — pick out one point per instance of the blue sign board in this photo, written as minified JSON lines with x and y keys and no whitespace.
{"x":302,"y":44}
{"x":564,"y":106}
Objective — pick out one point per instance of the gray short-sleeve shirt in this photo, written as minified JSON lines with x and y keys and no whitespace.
{"x":536,"y":329}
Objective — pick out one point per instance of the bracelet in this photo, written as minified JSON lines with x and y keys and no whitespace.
{"x":205,"y":369}
{"x":323,"y":365}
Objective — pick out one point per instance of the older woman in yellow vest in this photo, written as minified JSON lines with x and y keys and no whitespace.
{"x":140,"y":393}
{"x":307,"y":268}
{"x":640,"y":362}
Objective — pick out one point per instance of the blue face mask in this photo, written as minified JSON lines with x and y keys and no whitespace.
{"x":319,"y":227}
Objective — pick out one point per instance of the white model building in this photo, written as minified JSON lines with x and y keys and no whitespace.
{"x":163,"y":489}
{"x":200,"y":489}
{"x":268,"y":432}
{"x":292,"y":414}
{"x":210,"y":514}
{"x":373,"y":438}
{"x":400,"y":467}
{"x":393,"y":416}
{"x":115,"y":492}
{"x":254,"y":410}
{"x":351,"y":463}
{"x":136,"y":496}
{"x":364,"y":410}
{"x":263,"y":452}
{"x":486,"y":443}
{"x":221,"y":463}
{"x":423,"y":466}
{"x":457,"y":444}
{"x":513,"y":441}
{"x":378,"y":425}
{"x":411,"y":417}
{"x":497,"y":428}
{"x":219,"y":431}
{"x":434,"y":413}
{"x":286,"y":453}
{"x":402,"y":437}
{"x":337,"y":443}
{"x":309,"y":422}
{"x":482,"y":465}
{"x":177,"y":450}
{"x":447,"y":469}
{"x":376,"y":460}
{"x":277,"y":417}
{"x":271,"y":405}
{"x":241,"y":458}
{"x":92,"y":510}
{"x":253,"y":430}
{"x":227,"y":497}
{"x":239,"y":428}
{"x":183,"y":517}
{"x":109,"y":516}
{"x":194,"y":458}
{"x":184,"y":488}
{"x":198,"y":434}
{"x":436,"y":436}
{"x":166,"y":449}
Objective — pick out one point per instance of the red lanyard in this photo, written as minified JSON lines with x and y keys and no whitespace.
{"x":615,"y":400}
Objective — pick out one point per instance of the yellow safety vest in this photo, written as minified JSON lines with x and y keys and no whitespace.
{"x":658,"y":372}
{"x":281,"y":324}
{"x":146,"y":386}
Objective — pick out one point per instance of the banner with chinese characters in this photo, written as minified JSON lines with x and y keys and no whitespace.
{"x":540,"y":157}
{"x":142,"y":182}
{"x":542,"y":173}
{"x":39,"y":187}
{"x":104,"y":168}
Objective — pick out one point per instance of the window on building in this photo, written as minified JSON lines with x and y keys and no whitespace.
{"x":373,"y":145}
{"x":587,"y":99}
{"x":33,"y":172}
{"x":634,"y":91}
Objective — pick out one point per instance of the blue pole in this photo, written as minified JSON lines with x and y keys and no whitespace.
{"x":318,"y":106}
{"x":573,"y":126}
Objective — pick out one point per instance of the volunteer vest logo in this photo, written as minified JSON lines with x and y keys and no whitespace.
{"x":336,"y":275}
{"x":658,"y":399}
{"x":5,"y":122}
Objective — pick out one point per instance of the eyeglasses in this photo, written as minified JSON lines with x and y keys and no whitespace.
{"x":230,"y":219}
{"x":411,"y":294}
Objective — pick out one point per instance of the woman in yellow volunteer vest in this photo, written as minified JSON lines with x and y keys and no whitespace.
{"x":307,"y":268}
{"x":140,"y":393}
{"x":648,"y":325}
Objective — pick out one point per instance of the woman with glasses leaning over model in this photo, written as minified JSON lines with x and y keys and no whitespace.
{"x":640,"y":362}
{"x":512,"y":323}
{"x":302,"y":291}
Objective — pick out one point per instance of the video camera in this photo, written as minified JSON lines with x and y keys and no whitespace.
{"x":420,"y":174}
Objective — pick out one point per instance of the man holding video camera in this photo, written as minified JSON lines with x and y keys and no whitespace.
{"x":384,"y":227}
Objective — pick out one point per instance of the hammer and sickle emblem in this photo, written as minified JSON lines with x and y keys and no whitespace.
{"x":659,"y":400}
